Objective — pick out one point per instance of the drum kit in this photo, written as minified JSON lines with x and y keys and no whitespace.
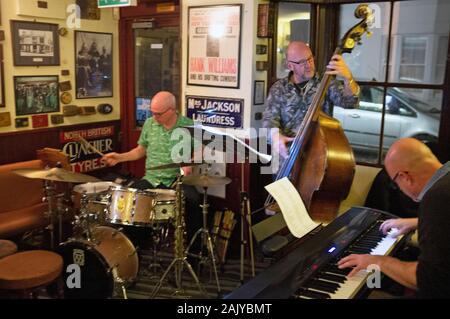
{"x":107,"y":258}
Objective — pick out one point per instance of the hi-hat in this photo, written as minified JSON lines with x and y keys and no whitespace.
{"x":174,"y":165}
{"x":206,"y":180}
{"x":55,"y":174}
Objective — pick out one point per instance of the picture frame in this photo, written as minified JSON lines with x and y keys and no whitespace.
{"x":258,"y":93}
{"x":93,"y":64}
{"x":214,"y":45}
{"x":2,"y":78}
{"x":36,"y":94}
{"x":35,"y":43}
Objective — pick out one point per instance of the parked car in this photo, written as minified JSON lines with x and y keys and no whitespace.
{"x":405,"y":116}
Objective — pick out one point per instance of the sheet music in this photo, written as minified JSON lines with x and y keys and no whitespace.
{"x":216,"y":131}
{"x":292,"y":207}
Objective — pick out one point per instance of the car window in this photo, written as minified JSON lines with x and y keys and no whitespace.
{"x":371,"y":99}
{"x":396,"y":107}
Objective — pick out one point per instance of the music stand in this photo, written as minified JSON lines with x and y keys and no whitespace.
{"x":198,"y":131}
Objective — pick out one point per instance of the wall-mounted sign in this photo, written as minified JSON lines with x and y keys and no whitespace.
{"x":214,"y":46}
{"x":40,"y":120}
{"x":82,"y":158}
{"x":116,"y":3}
{"x":220,"y":112}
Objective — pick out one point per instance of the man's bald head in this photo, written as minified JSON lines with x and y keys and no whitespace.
{"x":163,"y":100}
{"x":413,"y":161}
{"x":296,"y":49}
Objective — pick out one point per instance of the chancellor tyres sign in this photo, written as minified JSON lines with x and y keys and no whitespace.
{"x":219,"y":112}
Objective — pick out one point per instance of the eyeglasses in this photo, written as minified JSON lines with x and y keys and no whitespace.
{"x":161,"y":113}
{"x":303,"y":62}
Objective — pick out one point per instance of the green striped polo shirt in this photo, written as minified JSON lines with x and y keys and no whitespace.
{"x":158,"y":143}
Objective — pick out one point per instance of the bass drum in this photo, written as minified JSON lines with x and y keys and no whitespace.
{"x":109,"y":258}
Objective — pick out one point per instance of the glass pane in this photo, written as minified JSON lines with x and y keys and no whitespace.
{"x":362,"y":126}
{"x":368,"y":60}
{"x":419,"y":41}
{"x":157,"y":58}
{"x":293,"y":25}
{"x":411,"y":113}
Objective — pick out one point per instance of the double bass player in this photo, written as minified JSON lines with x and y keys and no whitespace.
{"x":290,"y":97}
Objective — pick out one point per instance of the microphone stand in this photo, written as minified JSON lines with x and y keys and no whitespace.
{"x":245,"y":219}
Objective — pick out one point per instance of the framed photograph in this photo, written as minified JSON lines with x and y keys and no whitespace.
{"x":258,"y":93}
{"x":36,"y":94}
{"x":34,"y":43}
{"x":89,"y":9}
{"x":214,"y":39}
{"x":93,"y":64}
{"x":2,"y":78}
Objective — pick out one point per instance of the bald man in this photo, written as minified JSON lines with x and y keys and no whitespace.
{"x":155,"y":143}
{"x":420,"y":175}
{"x":289,"y":98}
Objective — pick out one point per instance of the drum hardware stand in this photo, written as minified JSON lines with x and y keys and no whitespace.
{"x":205,"y":241}
{"x":245,"y":219}
{"x":158,"y":237}
{"x":180,"y":253}
{"x":49,"y":196}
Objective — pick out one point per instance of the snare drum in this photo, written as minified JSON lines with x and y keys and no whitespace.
{"x":107,"y":259}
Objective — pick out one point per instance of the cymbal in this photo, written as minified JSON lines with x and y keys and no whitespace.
{"x":206,"y":180}
{"x":55,"y":174}
{"x":174,"y":165}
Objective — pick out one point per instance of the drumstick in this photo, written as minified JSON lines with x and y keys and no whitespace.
{"x":82,"y":140}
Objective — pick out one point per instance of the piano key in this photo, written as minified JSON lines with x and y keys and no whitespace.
{"x":313,"y":294}
{"x":332,"y":277}
{"x":353,"y":285}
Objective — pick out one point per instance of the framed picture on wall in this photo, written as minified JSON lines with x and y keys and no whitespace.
{"x":258,"y":93}
{"x":2,"y":78}
{"x":93,"y":64}
{"x":36,"y":94}
{"x":34,"y":43}
{"x":214,"y":41}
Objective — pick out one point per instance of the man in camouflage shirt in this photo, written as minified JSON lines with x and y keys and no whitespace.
{"x":289,"y":98}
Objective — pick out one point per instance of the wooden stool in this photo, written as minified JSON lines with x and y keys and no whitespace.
{"x":7,"y":248}
{"x":23,"y":273}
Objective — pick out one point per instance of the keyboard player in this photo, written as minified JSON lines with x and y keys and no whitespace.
{"x":420,"y":175}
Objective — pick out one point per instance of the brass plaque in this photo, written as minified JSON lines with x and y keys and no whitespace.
{"x":5,"y":119}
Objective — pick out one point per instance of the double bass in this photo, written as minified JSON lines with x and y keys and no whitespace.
{"x":321,"y":164}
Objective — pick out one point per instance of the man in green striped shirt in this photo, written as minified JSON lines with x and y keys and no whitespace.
{"x":156,"y":144}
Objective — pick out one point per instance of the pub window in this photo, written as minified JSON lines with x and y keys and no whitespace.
{"x":292,"y":25}
{"x":408,"y":90}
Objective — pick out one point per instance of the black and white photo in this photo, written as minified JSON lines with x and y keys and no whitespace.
{"x":35,"y":43}
{"x":93,"y":64}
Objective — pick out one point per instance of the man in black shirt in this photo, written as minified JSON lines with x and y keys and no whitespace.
{"x":421,"y":176}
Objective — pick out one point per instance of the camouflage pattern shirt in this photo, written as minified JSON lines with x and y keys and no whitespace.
{"x":287,"y":106}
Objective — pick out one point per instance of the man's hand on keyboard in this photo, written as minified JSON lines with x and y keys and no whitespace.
{"x":401,"y":225}
{"x":358,"y":262}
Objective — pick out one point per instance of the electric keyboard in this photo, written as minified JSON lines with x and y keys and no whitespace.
{"x":310,"y":271}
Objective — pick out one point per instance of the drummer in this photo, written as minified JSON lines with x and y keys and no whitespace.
{"x":156,"y":144}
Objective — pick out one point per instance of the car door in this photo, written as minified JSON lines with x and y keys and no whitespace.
{"x":362,"y":125}
{"x":398,"y":118}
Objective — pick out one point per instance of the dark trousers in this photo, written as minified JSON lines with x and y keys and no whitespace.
{"x":192,"y":212}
